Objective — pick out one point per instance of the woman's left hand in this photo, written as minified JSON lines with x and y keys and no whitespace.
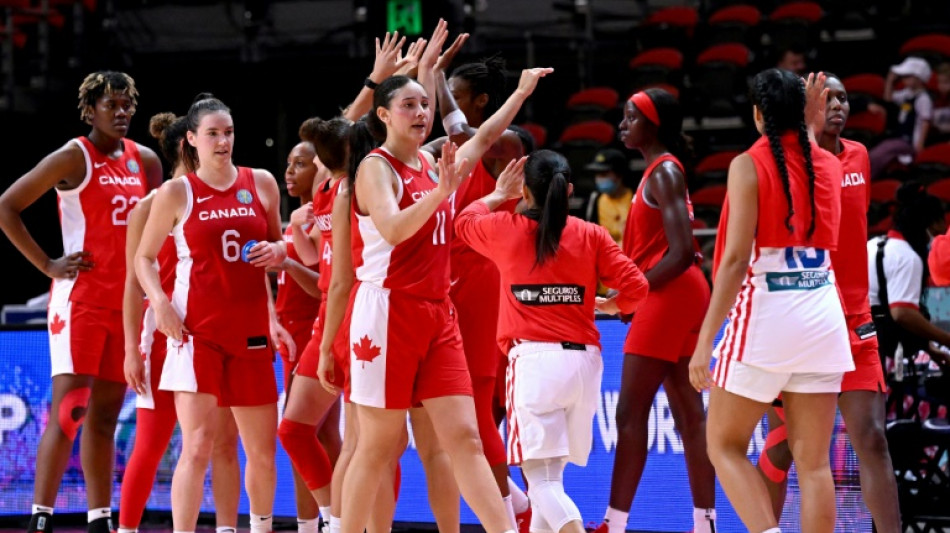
{"x":279,"y":335}
{"x":267,"y":254}
{"x":449,"y":176}
{"x":699,"y":375}
{"x":511,"y":181}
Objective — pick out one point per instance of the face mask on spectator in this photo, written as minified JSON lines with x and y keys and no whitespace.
{"x":606,"y":185}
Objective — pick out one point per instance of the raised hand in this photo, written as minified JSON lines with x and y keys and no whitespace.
{"x":387,"y":56}
{"x":511,"y":181}
{"x":449,"y":55}
{"x":408,"y":65}
{"x":816,"y":100}
{"x":449,"y":176}
{"x":529,"y":79}
{"x":434,"y":49}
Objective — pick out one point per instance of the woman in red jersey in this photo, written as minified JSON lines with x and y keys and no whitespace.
{"x":787,"y":332}
{"x":550,"y":265}
{"x":404,"y":342}
{"x":298,"y":302}
{"x":155,"y":416}
{"x":226,"y":226}
{"x":97,"y":178}
{"x":466,"y":99}
{"x":863,"y":391}
{"x":659,"y":239}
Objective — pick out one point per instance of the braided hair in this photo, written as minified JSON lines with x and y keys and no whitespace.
{"x":485,"y":77}
{"x":780,"y":96}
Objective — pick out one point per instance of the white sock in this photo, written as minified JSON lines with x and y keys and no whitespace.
{"x":325,"y":513}
{"x":225,"y":529}
{"x":177,"y":531}
{"x":307,"y":526}
{"x":127,"y":530}
{"x":773,"y":530}
{"x":262,"y":524}
{"x":41,"y":509}
{"x":511,"y":511}
{"x":519,"y":500}
{"x":704,"y":520}
{"x":334,"y":524}
{"x":95,"y":514}
{"x":616,"y":520}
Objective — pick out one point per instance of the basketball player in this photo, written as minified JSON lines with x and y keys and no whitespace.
{"x":550,"y":266}
{"x":659,"y":239}
{"x":97,"y":178}
{"x":226,"y":225}
{"x":787,"y":331}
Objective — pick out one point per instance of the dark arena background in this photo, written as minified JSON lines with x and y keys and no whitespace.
{"x":276,"y":63}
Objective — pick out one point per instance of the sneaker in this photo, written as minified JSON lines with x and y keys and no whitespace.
{"x":100,"y":525}
{"x":524,"y":520}
{"x":602,"y":528}
{"x":323,"y":526}
{"x":41,"y":522}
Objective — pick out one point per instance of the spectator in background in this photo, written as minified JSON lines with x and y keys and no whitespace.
{"x":609,"y":204}
{"x":792,"y":58}
{"x":940,"y":124}
{"x":915,"y":111}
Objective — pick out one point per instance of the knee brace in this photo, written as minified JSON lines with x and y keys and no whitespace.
{"x":72,"y":411}
{"x":307,"y":455}
{"x":546,"y":491}
{"x":774,"y":438}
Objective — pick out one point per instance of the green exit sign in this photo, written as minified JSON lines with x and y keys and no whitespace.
{"x":404,"y":16}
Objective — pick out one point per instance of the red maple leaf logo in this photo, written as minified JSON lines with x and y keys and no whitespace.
{"x":57,"y":325}
{"x":365,"y":351}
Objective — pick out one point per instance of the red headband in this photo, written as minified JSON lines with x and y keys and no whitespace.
{"x":645,"y":105}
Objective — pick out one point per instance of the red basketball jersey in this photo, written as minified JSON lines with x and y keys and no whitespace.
{"x":850,"y":261}
{"x":554,"y":301}
{"x":94,"y":218}
{"x":420,"y":264}
{"x":771,"y":231}
{"x":221,"y":298}
{"x":480,"y":183}
{"x":644,"y":238}
{"x":292,"y":301}
{"x":323,"y":213}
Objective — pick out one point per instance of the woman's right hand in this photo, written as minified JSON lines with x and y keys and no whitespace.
{"x":168,"y":322}
{"x":134,"y":369}
{"x":302,"y":216}
{"x":816,"y":100}
{"x":69,"y":266}
{"x":699,"y":376}
{"x":529,"y":79}
{"x":326,"y":371}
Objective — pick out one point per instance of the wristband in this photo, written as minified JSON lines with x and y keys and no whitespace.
{"x":454,"y":122}
{"x":370,"y":83}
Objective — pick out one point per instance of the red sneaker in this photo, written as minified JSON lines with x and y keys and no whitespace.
{"x":602,"y":528}
{"x":524,"y":520}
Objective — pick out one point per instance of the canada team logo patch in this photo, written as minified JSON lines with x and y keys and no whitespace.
{"x":245,"y":197}
{"x":133,"y":166}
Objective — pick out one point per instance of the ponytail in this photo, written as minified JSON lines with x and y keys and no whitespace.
{"x":547,"y":176}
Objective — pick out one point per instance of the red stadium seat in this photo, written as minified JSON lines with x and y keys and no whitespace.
{"x":937,"y":154}
{"x":709,"y":196}
{"x":670,"y":58}
{"x":600,"y":97}
{"x":931,"y":43}
{"x":538,"y":132}
{"x":869,"y":84}
{"x":940,"y":189}
{"x":742,"y":14}
{"x":665,"y":86}
{"x":678,"y":16}
{"x":19,"y":38}
{"x":883,"y":191}
{"x":865,"y":126}
{"x":733,"y":53}
{"x":714,"y":167}
{"x":810,"y":12}
{"x":591,"y":131}
{"x":34,"y":16}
